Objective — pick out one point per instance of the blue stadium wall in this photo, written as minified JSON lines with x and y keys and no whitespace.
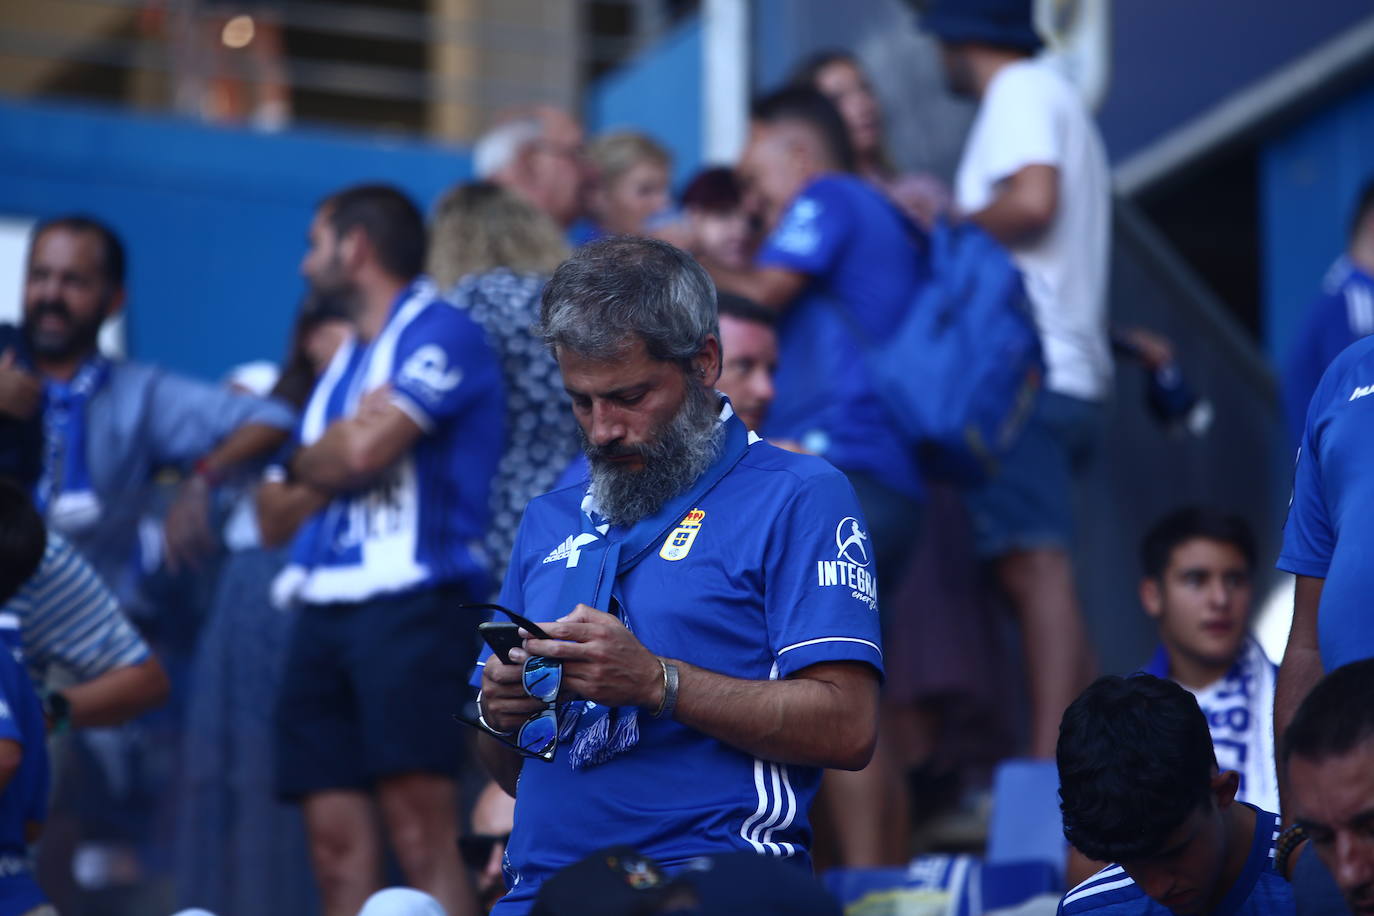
{"x":215,"y":219}
{"x":658,"y":93}
{"x":1309,"y":180}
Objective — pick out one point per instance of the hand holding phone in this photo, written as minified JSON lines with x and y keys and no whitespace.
{"x":501,"y":635}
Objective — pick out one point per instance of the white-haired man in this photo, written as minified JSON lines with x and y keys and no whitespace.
{"x":539,"y":157}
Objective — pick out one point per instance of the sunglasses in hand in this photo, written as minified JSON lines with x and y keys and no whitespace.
{"x":541,"y":679}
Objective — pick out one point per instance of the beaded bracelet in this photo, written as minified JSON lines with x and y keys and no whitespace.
{"x":1287,"y":844}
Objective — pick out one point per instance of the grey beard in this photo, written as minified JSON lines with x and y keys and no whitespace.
{"x":681,"y":452}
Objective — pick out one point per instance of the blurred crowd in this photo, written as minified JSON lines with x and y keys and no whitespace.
{"x":236,"y":612}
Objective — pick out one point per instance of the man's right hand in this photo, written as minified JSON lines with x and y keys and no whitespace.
{"x":21,"y":393}
{"x":505,"y":704}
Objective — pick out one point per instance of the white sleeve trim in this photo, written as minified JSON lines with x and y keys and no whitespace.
{"x":410,"y":408}
{"x":811,"y":642}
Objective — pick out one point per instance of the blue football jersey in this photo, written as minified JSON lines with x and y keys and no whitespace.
{"x":769,"y":573}
{"x":1259,"y":891}
{"x":421,"y":522}
{"x":1329,"y":518}
{"x":863,"y":261}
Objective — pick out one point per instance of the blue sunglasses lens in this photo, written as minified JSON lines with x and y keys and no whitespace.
{"x":543,"y":677}
{"x":539,"y":735}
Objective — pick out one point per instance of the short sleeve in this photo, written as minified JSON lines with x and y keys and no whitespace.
{"x":1021,"y":123}
{"x":811,"y":233}
{"x":442,"y":364}
{"x":821,"y":598}
{"x":188,"y":417}
{"x":74,"y":619}
{"x":1308,"y":537}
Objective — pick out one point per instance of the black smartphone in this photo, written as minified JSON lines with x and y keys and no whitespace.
{"x":502,"y":636}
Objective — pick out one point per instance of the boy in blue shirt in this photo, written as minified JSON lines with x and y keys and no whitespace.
{"x":1140,"y":787}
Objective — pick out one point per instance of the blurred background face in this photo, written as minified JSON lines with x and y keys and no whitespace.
{"x":1202,"y":602}
{"x":750,"y":360}
{"x":323,"y":264}
{"x":558,"y":172}
{"x":627,"y":204}
{"x":725,"y":237}
{"x":493,"y":816}
{"x":773,"y":170}
{"x":66,"y":295}
{"x":845,"y":85}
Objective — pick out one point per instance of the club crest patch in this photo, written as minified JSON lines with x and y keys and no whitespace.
{"x":679,"y":541}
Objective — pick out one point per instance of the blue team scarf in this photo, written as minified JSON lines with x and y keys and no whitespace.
{"x":602,"y":732}
{"x":64,"y":493}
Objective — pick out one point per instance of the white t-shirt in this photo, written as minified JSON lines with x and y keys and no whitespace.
{"x":1031,"y":115}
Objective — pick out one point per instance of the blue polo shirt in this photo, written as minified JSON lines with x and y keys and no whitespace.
{"x":1341,"y":315}
{"x":421,"y":522}
{"x":1330,"y":530}
{"x":864,"y":261}
{"x":25,"y":799}
{"x":770,"y":573}
{"x":1259,"y":891}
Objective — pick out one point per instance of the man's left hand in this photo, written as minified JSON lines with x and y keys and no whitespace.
{"x":186,"y":529}
{"x":602,"y":660}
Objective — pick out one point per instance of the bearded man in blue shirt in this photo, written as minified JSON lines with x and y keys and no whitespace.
{"x":709,"y":601}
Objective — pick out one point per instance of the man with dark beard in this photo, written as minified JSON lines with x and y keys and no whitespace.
{"x":108,"y":424}
{"x":399,"y":444}
{"x":709,"y":601}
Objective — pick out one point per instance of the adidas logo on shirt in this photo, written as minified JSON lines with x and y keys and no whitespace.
{"x":570,"y":548}
{"x":1362,"y":391}
{"x":561,"y":551}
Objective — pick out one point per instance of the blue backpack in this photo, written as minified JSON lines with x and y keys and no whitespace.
{"x":961,"y":373}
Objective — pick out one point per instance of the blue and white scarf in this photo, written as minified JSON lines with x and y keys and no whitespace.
{"x":64,"y":493}
{"x":602,"y":556}
{"x":1240,"y":714}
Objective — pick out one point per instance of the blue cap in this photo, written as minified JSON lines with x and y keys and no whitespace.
{"x":1005,"y":23}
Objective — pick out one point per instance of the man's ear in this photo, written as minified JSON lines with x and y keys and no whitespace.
{"x":706,"y":364}
{"x":1151,"y":597}
{"x":354,"y":249}
{"x":1225,"y":784}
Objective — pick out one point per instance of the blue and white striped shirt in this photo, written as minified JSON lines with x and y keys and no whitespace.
{"x":66,"y":615}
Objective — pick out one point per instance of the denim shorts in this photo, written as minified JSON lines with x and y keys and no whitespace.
{"x":1029,"y":504}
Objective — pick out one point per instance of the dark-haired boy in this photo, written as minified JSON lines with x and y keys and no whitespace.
{"x":1197,"y":565}
{"x":1140,"y":787}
